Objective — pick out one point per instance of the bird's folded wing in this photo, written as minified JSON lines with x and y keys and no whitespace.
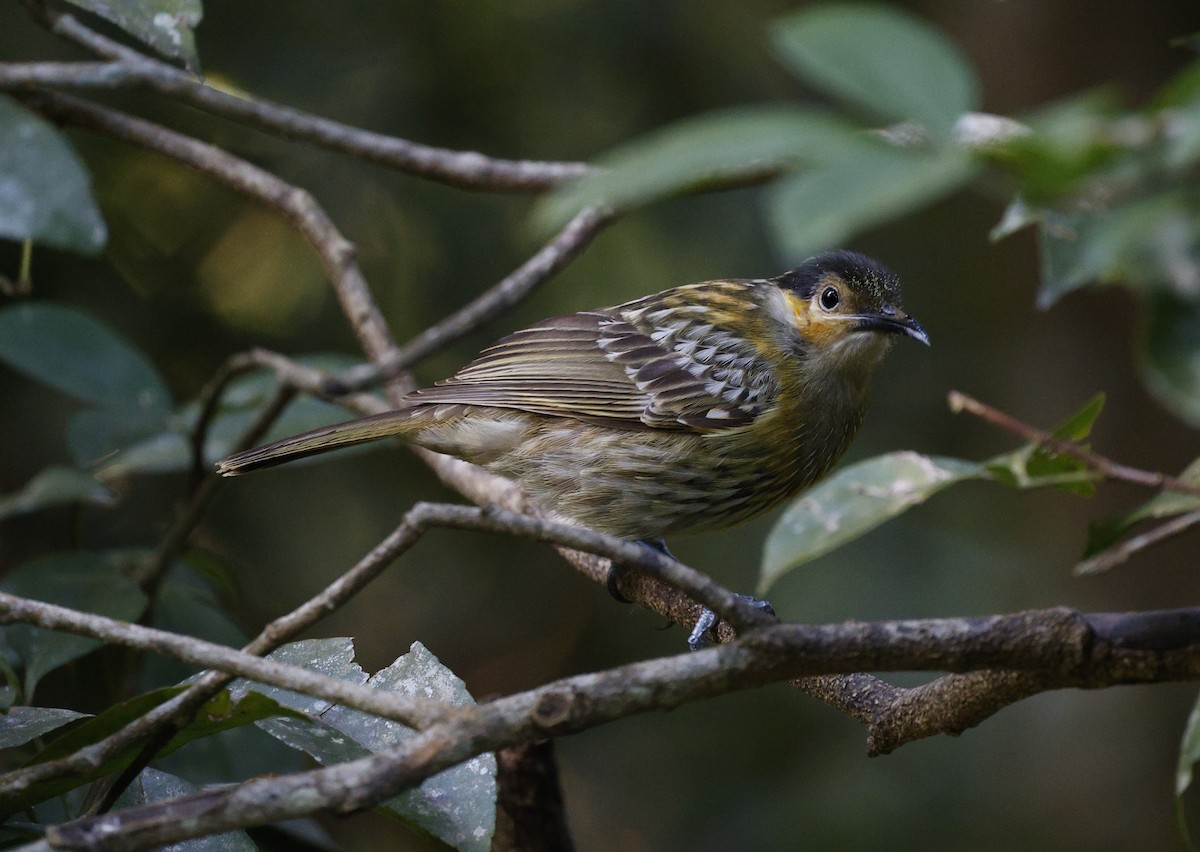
{"x":619,"y":367}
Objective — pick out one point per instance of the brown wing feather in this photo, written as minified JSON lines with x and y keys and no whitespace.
{"x":645,"y":364}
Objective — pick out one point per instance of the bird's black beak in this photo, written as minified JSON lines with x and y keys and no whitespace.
{"x":892,"y":321}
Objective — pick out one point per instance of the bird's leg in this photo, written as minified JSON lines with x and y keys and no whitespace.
{"x":617,"y":571}
{"x":708,"y":619}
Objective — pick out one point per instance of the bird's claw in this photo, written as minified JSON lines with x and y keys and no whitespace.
{"x":698,"y":639}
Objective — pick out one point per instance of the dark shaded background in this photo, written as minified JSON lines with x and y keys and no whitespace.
{"x":194,"y":273}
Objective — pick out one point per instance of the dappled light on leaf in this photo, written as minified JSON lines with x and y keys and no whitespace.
{"x":166,"y":25}
{"x":457,"y":805}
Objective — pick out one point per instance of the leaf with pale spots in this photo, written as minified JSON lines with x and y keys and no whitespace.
{"x":458,"y":805}
{"x":853,"y":501}
{"x":168,"y":26}
{"x":22,"y":724}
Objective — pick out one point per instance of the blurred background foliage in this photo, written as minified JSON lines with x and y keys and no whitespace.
{"x":193,"y":273}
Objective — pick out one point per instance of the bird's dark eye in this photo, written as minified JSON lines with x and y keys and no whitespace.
{"x":830,"y":298}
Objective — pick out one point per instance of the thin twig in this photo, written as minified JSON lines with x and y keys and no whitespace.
{"x":178,"y":711}
{"x":1064,"y":647}
{"x":463,"y":169}
{"x":1109,"y":468}
{"x":414,"y":712}
{"x":1121,"y":552}
{"x":198,"y":501}
{"x":209,"y":401}
{"x":83,"y":75}
{"x":564,"y":247}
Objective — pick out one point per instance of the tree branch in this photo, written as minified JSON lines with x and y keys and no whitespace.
{"x":530,"y":813}
{"x":414,"y":712}
{"x":1061,"y":646}
{"x":1107,"y":467}
{"x":513,"y":289}
{"x":1119,"y":553}
{"x":337,"y":254}
{"x":422,"y":517}
{"x":463,"y":169}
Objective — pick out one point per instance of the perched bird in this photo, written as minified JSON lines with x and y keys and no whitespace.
{"x":694,"y":408}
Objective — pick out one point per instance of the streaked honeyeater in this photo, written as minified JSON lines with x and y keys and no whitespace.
{"x":694,"y":408}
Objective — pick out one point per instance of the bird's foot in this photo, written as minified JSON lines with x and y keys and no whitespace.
{"x":698,"y":638}
{"x":616,"y":571}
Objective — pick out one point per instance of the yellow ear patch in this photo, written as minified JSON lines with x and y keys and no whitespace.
{"x":800,"y":309}
{"x":816,"y":327}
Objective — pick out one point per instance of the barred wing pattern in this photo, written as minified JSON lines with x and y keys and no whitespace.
{"x":657,"y":362}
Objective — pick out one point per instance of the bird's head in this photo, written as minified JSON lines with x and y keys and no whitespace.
{"x":846,"y":308}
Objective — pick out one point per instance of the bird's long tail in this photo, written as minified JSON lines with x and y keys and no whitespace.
{"x":385,"y":425}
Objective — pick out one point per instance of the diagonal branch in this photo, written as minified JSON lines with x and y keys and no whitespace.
{"x":509,"y":292}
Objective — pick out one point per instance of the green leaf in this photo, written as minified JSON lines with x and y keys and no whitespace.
{"x":1167,"y":504}
{"x":221,"y":713}
{"x":827,"y":205}
{"x":1170,"y":355}
{"x":1151,"y":243}
{"x":45,"y":192}
{"x":854,"y":501}
{"x":696,"y":151}
{"x":151,"y":786}
{"x":170,"y":451}
{"x":880,"y":60}
{"x":75,"y":354}
{"x":56,"y":486}
{"x":1189,"y":751}
{"x":82,"y":580}
{"x":95,"y":436}
{"x":165,"y":25}
{"x":1070,"y":143}
{"x":1017,"y":216}
{"x":22,"y":724}
{"x":458,"y":805}
{"x":1033,"y":466}
{"x":80,"y":736}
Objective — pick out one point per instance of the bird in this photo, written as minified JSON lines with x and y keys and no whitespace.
{"x":691,"y":409}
